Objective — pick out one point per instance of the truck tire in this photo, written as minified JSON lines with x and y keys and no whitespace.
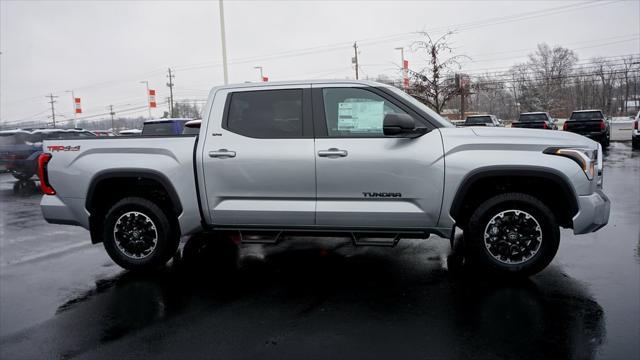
{"x":512,"y":234}
{"x":138,"y":235}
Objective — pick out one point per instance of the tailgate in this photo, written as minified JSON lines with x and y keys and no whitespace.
{"x":529,"y":124}
{"x":583,"y":127}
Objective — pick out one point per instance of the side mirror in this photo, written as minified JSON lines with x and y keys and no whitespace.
{"x":401,"y":125}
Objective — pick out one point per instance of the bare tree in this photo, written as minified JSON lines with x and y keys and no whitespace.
{"x":629,"y":63}
{"x":605,"y":72}
{"x":550,"y":69}
{"x":435,"y":84}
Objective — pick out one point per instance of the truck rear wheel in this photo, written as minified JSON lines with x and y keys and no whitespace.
{"x":138,"y":234}
{"x":513,"y":234}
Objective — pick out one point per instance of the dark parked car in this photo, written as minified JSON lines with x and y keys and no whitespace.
{"x":590,"y":123}
{"x":164,"y":127}
{"x":535,"y":120}
{"x":20,"y":148}
{"x":482,"y":120}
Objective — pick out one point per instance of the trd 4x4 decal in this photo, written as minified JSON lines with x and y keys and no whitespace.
{"x":54,"y":148}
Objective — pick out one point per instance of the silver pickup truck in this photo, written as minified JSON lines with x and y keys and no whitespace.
{"x":328,"y":158}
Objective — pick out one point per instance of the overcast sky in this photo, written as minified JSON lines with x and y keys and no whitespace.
{"x":102,"y":50}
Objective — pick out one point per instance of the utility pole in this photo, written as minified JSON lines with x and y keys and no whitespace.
{"x":170,"y":85}
{"x":461,"y":89}
{"x":224,"y":44}
{"x":148,"y":103}
{"x":355,"y":58}
{"x":53,"y":110}
{"x":113,"y":128}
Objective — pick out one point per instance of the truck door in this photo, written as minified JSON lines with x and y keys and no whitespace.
{"x":258,"y":158}
{"x":365,"y":179}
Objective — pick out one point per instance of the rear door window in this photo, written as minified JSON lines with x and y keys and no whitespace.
{"x":266,"y":114}
{"x":532,"y":117}
{"x":587,"y":115}
{"x":159,"y":129}
{"x":478,"y":120}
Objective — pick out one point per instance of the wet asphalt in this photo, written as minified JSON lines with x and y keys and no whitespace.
{"x":61,"y":297}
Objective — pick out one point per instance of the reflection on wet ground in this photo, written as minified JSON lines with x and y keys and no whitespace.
{"x":339,"y":301}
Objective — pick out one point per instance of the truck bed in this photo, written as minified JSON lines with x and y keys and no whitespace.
{"x":76,"y":164}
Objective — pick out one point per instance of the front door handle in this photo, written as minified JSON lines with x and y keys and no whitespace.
{"x":222,"y":153}
{"x":332,"y":153}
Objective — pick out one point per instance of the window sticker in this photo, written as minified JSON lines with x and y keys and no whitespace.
{"x":362,"y":116}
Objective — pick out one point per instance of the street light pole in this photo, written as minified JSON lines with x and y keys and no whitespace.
{"x":259,"y":68}
{"x":224,"y":44}
{"x":404,"y":71}
{"x":148,"y":104}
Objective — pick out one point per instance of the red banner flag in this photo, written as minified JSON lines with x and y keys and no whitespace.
{"x":152,"y":98}
{"x":78,"y":108}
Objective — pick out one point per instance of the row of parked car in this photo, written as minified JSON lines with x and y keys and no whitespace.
{"x":590,"y":123}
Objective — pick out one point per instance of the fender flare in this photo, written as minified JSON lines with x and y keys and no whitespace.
{"x":547,"y":173}
{"x":133,"y":174}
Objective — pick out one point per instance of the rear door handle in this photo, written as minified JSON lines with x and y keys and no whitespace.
{"x":332,"y":153}
{"x":222,"y":153}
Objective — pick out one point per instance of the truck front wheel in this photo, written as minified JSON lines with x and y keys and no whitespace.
{"x":512,"y":233}
{"x":138,"y":234}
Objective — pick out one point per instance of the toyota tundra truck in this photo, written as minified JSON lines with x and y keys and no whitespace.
{"x":327,"y":158}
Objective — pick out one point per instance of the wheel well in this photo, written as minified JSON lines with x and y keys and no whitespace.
{"x":105,"y":192}
{"x":551,"y":191}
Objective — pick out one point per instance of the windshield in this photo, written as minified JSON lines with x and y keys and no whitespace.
{"x":587,"y":115}
{"x":432,"y":114}
{"x":532,"y":117}
{"x":478,"y":120}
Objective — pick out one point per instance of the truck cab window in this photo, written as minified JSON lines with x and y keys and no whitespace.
{"x":266,"y":114}
{"x":353,"y":112}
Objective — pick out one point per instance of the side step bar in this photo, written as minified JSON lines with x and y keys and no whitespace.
{"x":273,"y":237}
{"x":260,"y":237}
{"x":364,"y":239}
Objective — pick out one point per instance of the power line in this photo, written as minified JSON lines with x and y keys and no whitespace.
{"x":373,"y":40}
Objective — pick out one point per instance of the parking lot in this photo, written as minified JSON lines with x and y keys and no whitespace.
{"x":61,"y":297}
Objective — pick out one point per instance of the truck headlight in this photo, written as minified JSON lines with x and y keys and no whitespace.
{"x":587,"y":159}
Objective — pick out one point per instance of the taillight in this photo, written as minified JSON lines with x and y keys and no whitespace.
{"x":43,"y":160}
{"x":635,"y":125}
{"x":565,"y":126}
{"x":544,"y":125}
{"x":602,"y":125}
